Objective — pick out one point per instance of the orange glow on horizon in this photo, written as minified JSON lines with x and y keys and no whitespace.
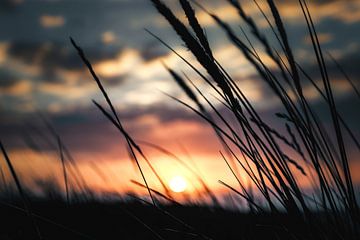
{"x":111,"y":173}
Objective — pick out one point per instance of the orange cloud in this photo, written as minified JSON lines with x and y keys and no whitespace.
{"x":108,"y":37}
{"x":125,"y":61}
{"x":3,"y":51}
{"x":65,"y":91}
{"x":22,"y":87}
{"x":52,"y":21}
{"x":323,"y":38}
{"x":348,"y":12}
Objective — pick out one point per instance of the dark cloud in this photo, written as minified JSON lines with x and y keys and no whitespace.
{"x":87,"y":129}
{"x":8,"y":5}
{"x":55,"y":56}
{"x":7,"y":78}
{"x":114,"y":81}
{"x":152,"y":51}
{"x":348,"y":64}
{"x":163,"y":112}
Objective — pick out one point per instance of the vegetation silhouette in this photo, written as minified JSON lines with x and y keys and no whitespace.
{"x":274,"y":160}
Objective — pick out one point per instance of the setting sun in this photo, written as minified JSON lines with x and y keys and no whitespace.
{"x":178,"y":184}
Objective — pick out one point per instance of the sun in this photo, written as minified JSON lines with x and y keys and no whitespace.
{"x":178,"y":184}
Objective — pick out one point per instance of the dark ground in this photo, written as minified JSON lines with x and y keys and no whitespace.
{"x":134,"y":220}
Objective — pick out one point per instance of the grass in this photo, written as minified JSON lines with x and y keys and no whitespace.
{"x":270,"y":168}
{"x":273,"y":159}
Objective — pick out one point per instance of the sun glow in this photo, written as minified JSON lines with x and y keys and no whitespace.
{"x":178,"y":184}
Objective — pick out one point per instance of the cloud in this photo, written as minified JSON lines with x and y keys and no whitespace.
{"x":9,"y":4}
{"x":138,"y":68}
{"x":59,"y":89}
{"x":7,"y":77}
{"x":225,"y":12}
{"x":108,"y":37}
{"x":56,"y":60}
{"x":345,"y":61}
{"x":3,"y":51}
{"x":348,"y":12}
{"x":57,"y":55}
{"x":89,"y":121}
{"x":52,"y":21}
{"x":18,"y":88}
{"x":322,"y":37}
{"x":125,"y":61}
{"x":152,"y":51}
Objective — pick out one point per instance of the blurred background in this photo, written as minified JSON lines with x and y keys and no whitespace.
{"x":41,"y":74}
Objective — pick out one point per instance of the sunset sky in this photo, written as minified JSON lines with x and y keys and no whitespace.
{"x":41,"y":72}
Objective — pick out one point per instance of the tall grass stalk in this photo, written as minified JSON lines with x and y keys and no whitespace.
{"x":63,"y":164}
{"x":21,"y":191}
{"x":263,"y":155}
{"x":113,"y":117}
{"x":274,"y":160}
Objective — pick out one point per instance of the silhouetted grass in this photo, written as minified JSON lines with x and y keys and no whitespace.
{"x":21,"y":191}
{"x":257,"y":142}
{"x":275,"y":161}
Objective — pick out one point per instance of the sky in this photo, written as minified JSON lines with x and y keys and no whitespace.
{"x":40,"y":72}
